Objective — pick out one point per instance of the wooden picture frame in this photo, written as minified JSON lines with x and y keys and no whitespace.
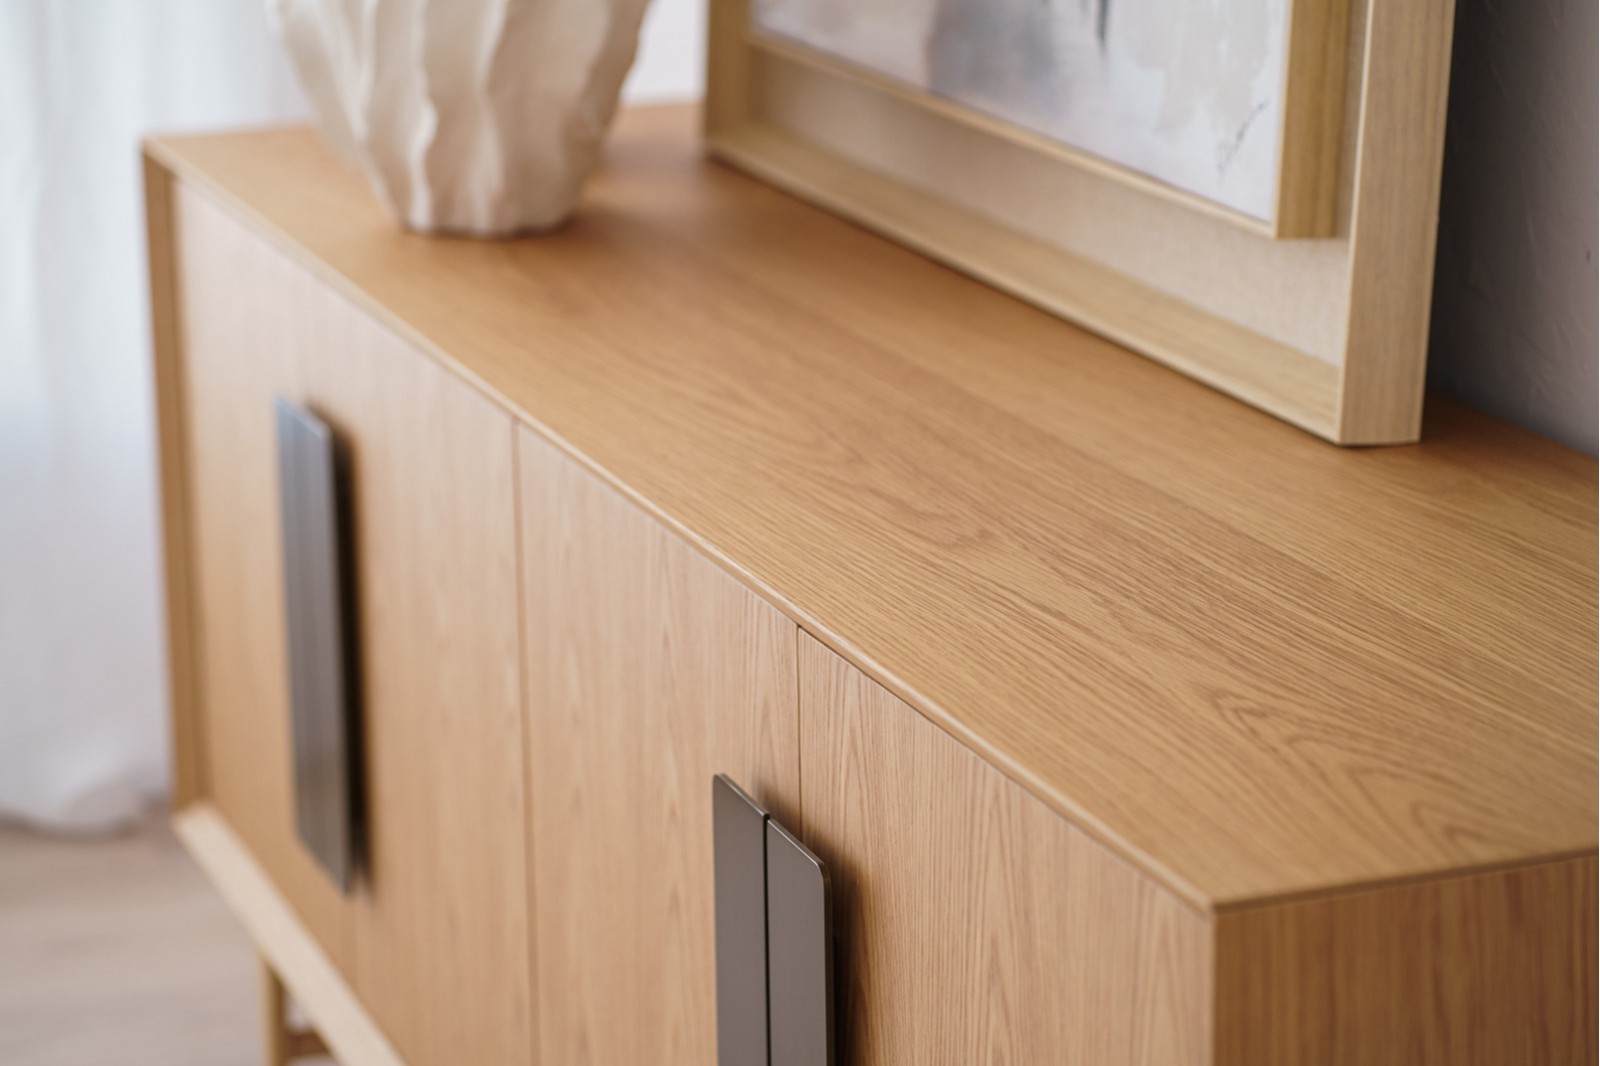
{"x":1320,"y":317}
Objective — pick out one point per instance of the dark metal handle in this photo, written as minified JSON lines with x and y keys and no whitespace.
{"x":774,"y":940}
{"x":799,"y":954}
{"x":739,"y":827}
{"x":318,"y":609}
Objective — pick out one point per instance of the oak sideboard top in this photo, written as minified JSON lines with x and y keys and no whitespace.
{"x":1258,"y":666}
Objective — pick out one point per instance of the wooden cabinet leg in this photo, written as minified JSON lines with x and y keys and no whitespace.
{"x":282,"y":1043}
{"x":274,"y":1017}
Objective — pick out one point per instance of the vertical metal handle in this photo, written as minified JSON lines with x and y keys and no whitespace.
{"x":799,"y":954}
{"x":774,"y":940}
{"x":321,"y":642}
{"x":739,"y":829}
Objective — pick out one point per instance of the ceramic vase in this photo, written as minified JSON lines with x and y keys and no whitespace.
{"x":478,"y":117}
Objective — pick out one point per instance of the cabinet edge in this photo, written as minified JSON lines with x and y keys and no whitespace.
{"x":1494,"y":967}
{"x":271,"y":924}
{"x":167,"y":379}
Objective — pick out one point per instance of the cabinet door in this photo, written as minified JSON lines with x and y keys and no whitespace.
{"x":240,"y":348}
{"x":439,"y":926}
{"x":974,"y":924}
{"x":648,"y":671}
{"x":433,"y":935}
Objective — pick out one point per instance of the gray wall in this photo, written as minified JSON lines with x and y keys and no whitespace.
{"x":1514,"y":323}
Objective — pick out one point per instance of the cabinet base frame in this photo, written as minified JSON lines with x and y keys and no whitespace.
{"x":286,"y":949}
{"x":283,"y":1041}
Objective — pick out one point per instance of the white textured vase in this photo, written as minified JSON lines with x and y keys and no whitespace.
{"x":480,"y":117}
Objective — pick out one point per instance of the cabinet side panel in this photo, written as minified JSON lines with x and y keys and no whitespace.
{"x":188,"y":765}
{"x":975,"y":924}
{"x":239,"y":327}
{"x":1477,"y":971}
{"x":649,"y":670}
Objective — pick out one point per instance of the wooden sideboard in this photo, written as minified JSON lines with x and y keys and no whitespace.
{"x":1133,"y":726}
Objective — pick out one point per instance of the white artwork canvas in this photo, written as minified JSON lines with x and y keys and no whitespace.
{"x":1189,"y":92}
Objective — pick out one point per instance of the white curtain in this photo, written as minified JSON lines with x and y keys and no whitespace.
{"x":83,"y":741}
{"x":82,"y":673}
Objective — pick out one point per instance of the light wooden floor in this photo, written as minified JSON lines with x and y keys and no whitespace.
{"x":117,"y":951}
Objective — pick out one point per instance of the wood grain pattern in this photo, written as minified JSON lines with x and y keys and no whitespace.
{"x":439,"y":929}
{"x":1255,"y":666}
{"x":435,"y":550}
{"x":1313,"y":119}
{"x":1363,"y":123}
{"x":1493,"y":970}
{"x":1270,"y":375}
{"x":235,"y":359}
{"x":975,"y":924}
{"x":1395,"y":217}
{"x":989,"y":200}
{"x":1005,"y":212}
{"x":280,"y":934}
{"x":648,"y":671}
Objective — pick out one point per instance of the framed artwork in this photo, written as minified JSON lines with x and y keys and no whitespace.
{"x":1190,"y":99}
{"x":1244,"y":189}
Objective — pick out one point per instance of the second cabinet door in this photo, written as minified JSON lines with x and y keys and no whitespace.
{"x":975,"y":925}
{"x":648,"y":671}
{"x":438,"y":928}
